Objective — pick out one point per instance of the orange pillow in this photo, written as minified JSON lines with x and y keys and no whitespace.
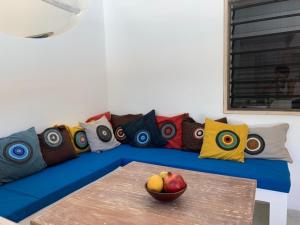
{"x":171,"y":129}
{"x":98,"y":117}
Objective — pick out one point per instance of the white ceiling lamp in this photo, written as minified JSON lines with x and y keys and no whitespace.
{"x":71,"y":6}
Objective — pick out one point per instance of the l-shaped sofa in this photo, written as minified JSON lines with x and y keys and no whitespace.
{"x":26,"y":196}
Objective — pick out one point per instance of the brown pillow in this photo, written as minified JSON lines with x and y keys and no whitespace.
{"x":56,"y":145}
{"x":192,"y":134}
{"x":117,"y":123}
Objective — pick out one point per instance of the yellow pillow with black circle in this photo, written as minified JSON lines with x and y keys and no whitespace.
{"x":79,"y":139}
{"x":224,"y":141}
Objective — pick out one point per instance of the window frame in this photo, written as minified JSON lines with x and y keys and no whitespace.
{"x":226,"y":70}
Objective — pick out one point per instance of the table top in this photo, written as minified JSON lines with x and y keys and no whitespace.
{"x":120,"y":198}
{"x":4,"y":221}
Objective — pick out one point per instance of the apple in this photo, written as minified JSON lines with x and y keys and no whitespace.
{"x":173,"y":183}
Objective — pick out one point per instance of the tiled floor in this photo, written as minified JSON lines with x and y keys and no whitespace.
{"x":293,"y":217}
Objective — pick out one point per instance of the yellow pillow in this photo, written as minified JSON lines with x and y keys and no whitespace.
{"x":79,"y":139}
{"x":224,"y":141}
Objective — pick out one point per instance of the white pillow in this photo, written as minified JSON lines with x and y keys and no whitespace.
{"x":100,"y":135}
{"x":268,"y":143}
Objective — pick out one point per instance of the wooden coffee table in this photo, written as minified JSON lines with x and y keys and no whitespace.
{"x":120,"y":198}
{"x":4,"y":221}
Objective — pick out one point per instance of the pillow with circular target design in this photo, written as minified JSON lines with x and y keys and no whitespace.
{"x":144,"y":132}
{"x":56,"y":145}
{"x":171,"y":129}
{"x":100,"y":135}
{"x":193,"y":133}
{"x":79,"y":139}
{"x":20,"y":156}
{"x":118,"y":121}
{"x":224,"y":141}
{"x":268,"y":142}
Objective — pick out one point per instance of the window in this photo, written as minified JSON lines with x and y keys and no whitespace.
{"x":262,"y":55}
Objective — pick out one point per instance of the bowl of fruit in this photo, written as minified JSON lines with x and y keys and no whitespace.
{"x":166,"y":186}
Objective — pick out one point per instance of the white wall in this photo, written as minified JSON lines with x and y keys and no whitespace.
{"x":53,"y":80}
{"x":168,"y":55}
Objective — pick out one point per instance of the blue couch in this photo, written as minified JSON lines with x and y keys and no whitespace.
{"x":28,"y":195}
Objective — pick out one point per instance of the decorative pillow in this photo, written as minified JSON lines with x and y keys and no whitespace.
{"x":223,"y":141}
{"x":193,"y":133}
{"x":117,"y":123}
{"x":144,"y":132}
{"x":99,"y":116}
{"x":100,"y":135}
{"x":56,"y":145}
{"x":171,"y":129}
{"x":268,"y":143}
{"x":20,"y":156}
{"x":79,"y":139}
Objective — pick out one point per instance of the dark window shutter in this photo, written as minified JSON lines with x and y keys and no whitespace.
{"x":265,"y":55}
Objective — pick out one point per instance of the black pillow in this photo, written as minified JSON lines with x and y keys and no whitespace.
{"x":144,"y":132}
{"x":118,"y":121}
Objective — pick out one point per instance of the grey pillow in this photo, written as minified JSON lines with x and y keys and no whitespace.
{"x":100,"y":135}
{"x":268,"y":143}
{"x":20,"y":156}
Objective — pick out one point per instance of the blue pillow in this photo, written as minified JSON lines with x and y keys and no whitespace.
{"x":20,"y":156}
{"x":144,"y":132}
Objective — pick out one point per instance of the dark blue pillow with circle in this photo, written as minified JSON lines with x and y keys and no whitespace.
{"x":144,"y":132}
{"x":20,"y":156}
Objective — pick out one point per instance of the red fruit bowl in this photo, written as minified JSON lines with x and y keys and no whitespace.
{"x":165,"y":197}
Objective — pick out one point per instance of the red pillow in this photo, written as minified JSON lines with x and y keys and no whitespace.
{"x":98,"y":117}
{"x":171,"y":129}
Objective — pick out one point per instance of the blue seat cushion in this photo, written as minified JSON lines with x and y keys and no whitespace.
{"x":15,"y":206}
{"x":58,"y":181}
{"x":28,"y":195}
{"x":270,"y":174}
